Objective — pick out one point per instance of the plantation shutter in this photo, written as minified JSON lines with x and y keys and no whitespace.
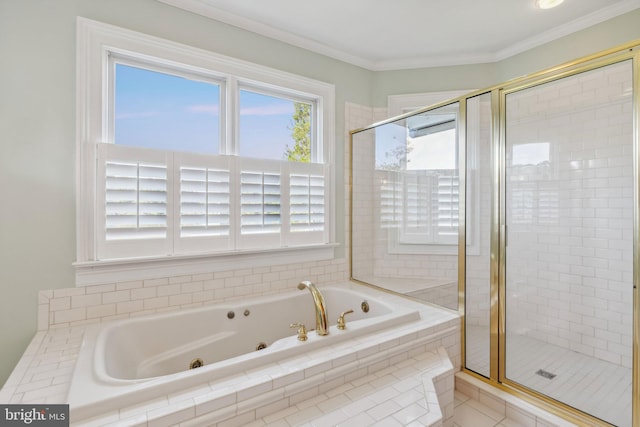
{"x":152,"y":202}
{"x":133,"y":189}
{"x":205,"y":203}
{"x":430,"y":207}
{"x":447,"y":206}
{"x":307,"y":203}
{"x":391,"y":198}
{"x":260,"y":202}
{"x":260,"y":221}
{"x":418,"y":206}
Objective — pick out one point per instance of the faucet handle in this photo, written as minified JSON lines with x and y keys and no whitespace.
{"x":341,"y":323}
{"x":302,"y":331}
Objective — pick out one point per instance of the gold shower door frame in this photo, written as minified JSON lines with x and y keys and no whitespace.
{"x":497,"y":294}
{"x":497,"y":374}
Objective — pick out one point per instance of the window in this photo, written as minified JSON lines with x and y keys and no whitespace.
{"x":276,"y":127}
{"x":432,"y":180}
{"x":192,"y":153}
{"x":419,"y":199}
{"x":155,"y":108}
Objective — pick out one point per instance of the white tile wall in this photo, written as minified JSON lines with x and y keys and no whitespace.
{"x":79,"y":306}
{"x":569,"y":259}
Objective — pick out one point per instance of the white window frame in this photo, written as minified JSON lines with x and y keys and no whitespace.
{"x":96,"y":42}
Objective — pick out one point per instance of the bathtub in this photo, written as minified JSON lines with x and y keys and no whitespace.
{"x":132,"y":361}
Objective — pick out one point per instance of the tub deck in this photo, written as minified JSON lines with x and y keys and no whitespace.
{"x":390,"y":360}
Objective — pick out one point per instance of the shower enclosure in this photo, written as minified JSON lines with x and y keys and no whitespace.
{"x":518,"y":206}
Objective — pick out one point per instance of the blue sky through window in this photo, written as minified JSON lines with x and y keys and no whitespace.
{"x":169,"y":112}
{"x":265,"y":123}
{"x":164,"y":111}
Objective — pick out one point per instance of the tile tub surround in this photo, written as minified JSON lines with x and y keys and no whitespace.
{"x":90,"y":304}
{"x":44,"y":373}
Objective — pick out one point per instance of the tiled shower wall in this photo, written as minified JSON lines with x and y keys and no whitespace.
{"x":359,"y":116}
{"x":570,"y":213}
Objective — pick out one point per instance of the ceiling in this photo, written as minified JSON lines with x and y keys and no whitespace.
{"x":401,"y":34}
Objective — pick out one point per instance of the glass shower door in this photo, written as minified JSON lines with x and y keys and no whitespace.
{"x":479,"y":174}
{"x":568,"y":266}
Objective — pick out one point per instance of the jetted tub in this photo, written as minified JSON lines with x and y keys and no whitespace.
{"x":131,"y":361}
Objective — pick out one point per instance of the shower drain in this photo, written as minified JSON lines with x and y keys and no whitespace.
{"x":545,"y":374}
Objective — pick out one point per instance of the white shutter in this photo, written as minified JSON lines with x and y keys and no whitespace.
{"x":158,"y":203}
{"x":260,"y":202}
{"x":136,"y":200}
{"x":306,"y":195}
{"x":418,"y":215}
{"x":307,"y":203}
{"x":447,"y":206}
{"x":430,"y":207}
{"x":133,"y":191}
{"x":205,"y":203}
{"x":391,"y":198}
{"x":260,"y":220}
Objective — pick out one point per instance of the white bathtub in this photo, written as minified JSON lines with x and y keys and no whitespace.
{"x":135,"y":360}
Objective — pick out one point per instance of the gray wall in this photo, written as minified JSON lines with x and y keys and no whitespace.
{"x":37,"y":133}
{"x":37,"y":122}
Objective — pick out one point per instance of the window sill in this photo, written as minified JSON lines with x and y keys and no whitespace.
{"x":124,"y":270}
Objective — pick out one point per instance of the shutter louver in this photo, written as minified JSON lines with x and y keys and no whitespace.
{"x":183,"y":203}
{"x":204,"y":202}
{"x":259,"y":202}
{"x":447,"y":204}
{"x":135,"y":200}
{"x":430,"y":207}
{"x":307,"y":210}
{"x":390,"y":199}
{"x":418,"y":192}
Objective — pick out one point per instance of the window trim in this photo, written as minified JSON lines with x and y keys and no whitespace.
{"x":95,"y":42}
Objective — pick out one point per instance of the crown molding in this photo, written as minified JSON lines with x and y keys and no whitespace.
{"x":568,"y":28}
{"x":202,"y":8}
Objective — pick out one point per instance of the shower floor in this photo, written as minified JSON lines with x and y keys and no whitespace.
{"x":600,"y":388}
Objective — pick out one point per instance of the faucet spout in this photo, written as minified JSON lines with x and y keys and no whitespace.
{"x":322,"y":325}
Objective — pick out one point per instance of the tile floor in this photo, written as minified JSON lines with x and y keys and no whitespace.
{"x":595,"y":386}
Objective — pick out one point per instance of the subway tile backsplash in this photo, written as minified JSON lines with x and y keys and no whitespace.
{"x":82,"y":305}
